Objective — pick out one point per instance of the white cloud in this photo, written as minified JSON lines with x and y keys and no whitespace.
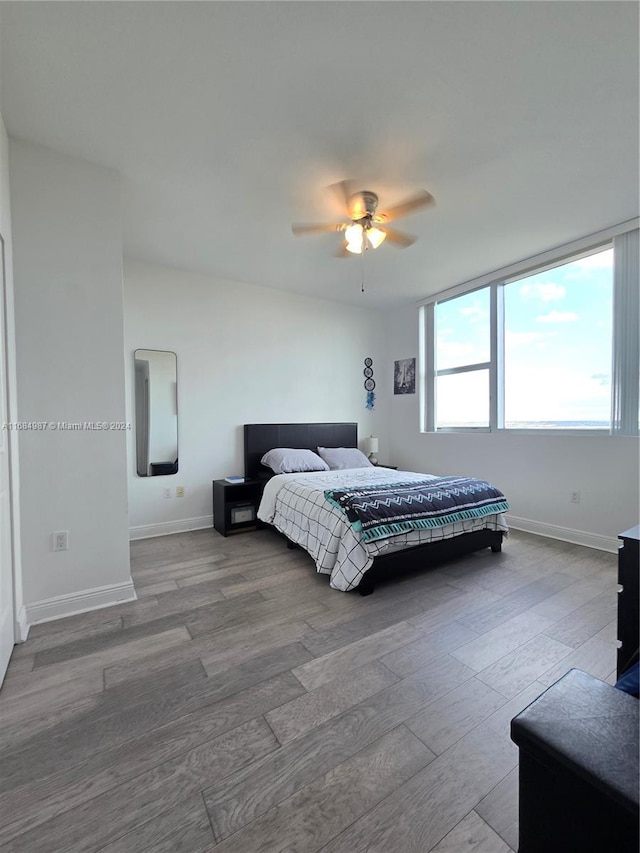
{"x":515,"y":339}
{"x":547,"y":291}
{"x":557,"y":317}
{"x":474,"y":313}
{"x":454,"y":352}
{"x":535,"y":393}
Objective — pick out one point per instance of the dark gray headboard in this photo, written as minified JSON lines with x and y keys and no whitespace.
{"x":258,"y":438}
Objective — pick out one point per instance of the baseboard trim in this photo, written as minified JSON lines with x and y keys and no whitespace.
{"x":21,"y":626}
{"x":565,"y":534}
{"x":79,"y":602}
{"x":165,"y":528}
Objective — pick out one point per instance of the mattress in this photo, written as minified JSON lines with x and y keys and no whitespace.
{"x":295,"y":505}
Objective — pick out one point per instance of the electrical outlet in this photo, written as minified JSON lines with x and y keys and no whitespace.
{"x":166,"y":493}
{"x":179,"y":491}
{"x":61,"y":540}
{"x":575,"y":497}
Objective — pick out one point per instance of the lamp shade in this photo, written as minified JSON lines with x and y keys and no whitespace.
{"x":371,"y":445}
{"x":375,"y":236}
{"x":354,"y":235}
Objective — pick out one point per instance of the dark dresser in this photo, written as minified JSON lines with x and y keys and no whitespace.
{"x":628,"y":568}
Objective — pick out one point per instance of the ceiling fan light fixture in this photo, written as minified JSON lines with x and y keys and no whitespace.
{"x":354,"y":236}
{"x":376,"y":237}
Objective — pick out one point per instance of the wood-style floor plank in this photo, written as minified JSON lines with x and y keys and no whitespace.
{"x":596,"y":656}
{"x":360,"y":624}
{"x":472,"y":835}
{"x":318,"y":812}
{"x":581,"y":624}
{"x":91,"y":665}
{"x":63,"y":638}
{"x":337,"y":663}
{"x":414,"y":656}
{"x":303,"y":714}
{"x":486,"y":649}
{"x":184,"y":828}
{"x":499,"y":809}
{"x":449,"y":718}
{"x":512,"y":673}
{"x":451,"y":784}
{"x":487,"y":618}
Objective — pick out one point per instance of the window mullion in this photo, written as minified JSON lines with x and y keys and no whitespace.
{"x":429,"y":331}
{"x":465,"y":368}
{"x":496,"y":369}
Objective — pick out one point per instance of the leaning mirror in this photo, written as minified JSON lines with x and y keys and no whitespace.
{"x":156,"y":412}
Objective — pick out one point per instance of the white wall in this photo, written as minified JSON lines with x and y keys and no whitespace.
{"x":67,"y":244}
{"x":537,"y":473}
{"x":246,"y":354}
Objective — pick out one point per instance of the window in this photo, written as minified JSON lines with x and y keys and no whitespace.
{"x":558,"y":345}
{"x":553,"y":349}
{"x":463,"y":347}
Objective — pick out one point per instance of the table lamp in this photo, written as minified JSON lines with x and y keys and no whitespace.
{"x":371,"y":449}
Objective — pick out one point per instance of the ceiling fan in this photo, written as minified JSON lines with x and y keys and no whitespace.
{"x":366,"y":226}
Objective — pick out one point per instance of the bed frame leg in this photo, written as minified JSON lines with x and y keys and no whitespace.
{"x":496,"y":545}
{"x":366,"y":586}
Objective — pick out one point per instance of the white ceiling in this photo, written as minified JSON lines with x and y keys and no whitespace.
{"x":227,"y":121}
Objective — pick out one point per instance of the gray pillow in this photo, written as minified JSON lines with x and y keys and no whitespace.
{"x":344,"y":457}
{"x":289,"y":460}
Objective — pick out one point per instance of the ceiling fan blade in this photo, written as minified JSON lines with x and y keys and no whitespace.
{"x":343,"y":191}
{"x":299,"y":228}
{"x":414,"y":202}
{"x":343,"y":252}
{"x":398,"y":238}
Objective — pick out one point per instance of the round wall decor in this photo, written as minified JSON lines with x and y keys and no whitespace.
{"x":369,"y":383}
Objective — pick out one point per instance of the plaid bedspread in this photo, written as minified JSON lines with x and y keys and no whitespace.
{"x":378,"y":512}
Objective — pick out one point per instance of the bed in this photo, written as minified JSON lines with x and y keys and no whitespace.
{"x":296,"y":505}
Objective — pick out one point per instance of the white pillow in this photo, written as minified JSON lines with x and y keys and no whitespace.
{"x":288,"y":460}
{"x":344,"y":457}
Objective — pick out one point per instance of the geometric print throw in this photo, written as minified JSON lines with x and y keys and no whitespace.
{"x":385,"y":510}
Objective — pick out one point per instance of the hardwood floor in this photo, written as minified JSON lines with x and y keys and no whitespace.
{"x":242,"y":705}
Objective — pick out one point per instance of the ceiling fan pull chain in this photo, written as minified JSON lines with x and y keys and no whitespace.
{"x":362,"y":273}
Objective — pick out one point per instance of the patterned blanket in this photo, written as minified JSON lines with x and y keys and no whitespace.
{"x":384,"y":510}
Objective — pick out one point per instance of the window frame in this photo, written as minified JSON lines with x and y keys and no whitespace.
{"x":496,"y":283}
{"x":465,"y":368}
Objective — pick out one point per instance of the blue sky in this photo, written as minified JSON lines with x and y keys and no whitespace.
{"x":557,"y":346}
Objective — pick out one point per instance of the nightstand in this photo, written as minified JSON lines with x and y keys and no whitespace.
{"x":235,"y":505}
